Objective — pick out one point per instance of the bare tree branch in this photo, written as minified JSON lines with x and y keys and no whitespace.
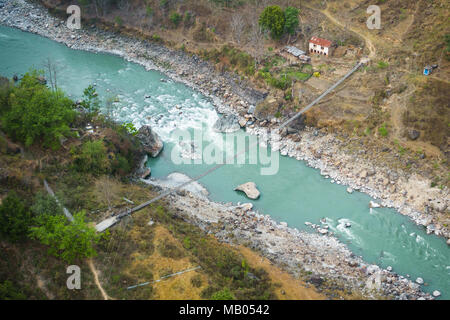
{"x":237,"y":27}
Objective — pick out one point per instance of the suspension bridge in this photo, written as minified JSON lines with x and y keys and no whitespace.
{"x":107,"y":223}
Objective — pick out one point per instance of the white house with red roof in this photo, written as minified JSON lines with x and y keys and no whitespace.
{"x":320,"y":46}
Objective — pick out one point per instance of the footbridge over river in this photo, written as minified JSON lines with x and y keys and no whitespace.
{"x":104,"y":225}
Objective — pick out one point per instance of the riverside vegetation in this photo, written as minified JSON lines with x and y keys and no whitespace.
{"x":91,"y":173}
{"x":379,"y":121}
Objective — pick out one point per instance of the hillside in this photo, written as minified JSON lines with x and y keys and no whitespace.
{"x":384,"y":132}
{"x":390,"y":96}
{"x":84,"y":173}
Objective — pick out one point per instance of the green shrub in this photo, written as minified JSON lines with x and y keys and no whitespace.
{"x":15,"y":218}
{"x":5,"y":90}
{"x":291,"y":17}
{"x":382,"y":65}
{"x":67,"y":240}
{"x":37,"y":113}
{"x":45,"y":204}
{"x":9,"y":292}
{"x":90,"y":102}
{"x":130,"y":128}
{"x":223,"y":294}
{"x":120,"y":165}
{"x":118,"y":20}
{"x":92,"y":158}
{"x":175,"y":18}
{"x":156,"y":38}
{"x":383,"y":131}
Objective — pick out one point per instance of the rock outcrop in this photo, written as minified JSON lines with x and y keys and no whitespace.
{"x":249,"y":189}
{"x":227,"y":124}
{"x":150,"y":140}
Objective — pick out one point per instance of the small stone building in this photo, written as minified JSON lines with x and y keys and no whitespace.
{"x":320,"y":46}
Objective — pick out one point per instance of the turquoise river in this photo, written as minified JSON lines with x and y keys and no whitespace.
{"x":296,"y":194}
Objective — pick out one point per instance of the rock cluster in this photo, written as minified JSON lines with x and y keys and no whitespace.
{"x":150,"y":140}
{"x":227,"y":124}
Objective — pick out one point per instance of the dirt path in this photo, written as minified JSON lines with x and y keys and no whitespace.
{"x":398,"y":106}
{"x":369,"y":43}
{"x":97,"y":282}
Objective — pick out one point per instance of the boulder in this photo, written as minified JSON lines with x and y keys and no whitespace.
{"x":249,"y":189}
{"x":243,"y":122}
{"x":246,"y":206}
{"x":419,"y":280}
{"x":146,"y":173}
{"x":413,"y":134}
{"x":150,"y":140}
{"x":436,"y":293}
{"x":227,"y":124}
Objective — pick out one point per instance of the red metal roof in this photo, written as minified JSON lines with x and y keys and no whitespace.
{"x":320,"y":42}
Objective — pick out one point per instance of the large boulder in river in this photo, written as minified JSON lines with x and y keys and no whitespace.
{"x":150,"y":140}
{"x":227,"y":124}
{"x":249,"y":189}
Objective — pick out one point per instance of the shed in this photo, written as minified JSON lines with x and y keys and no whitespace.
{"x":297,"y":53}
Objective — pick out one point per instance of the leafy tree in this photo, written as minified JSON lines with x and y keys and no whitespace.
{"x":291,"y":17}
{"x":91,"y":102}
{"x":45,"y":204}
{"x":37,"y":113}
{"x":15,"y":218}
{"x":67,"y":240}
{"x":92,"y":158}
{"x":273,"y":19}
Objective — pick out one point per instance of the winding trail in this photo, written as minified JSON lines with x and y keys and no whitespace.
{"x":369,"y":43}
{"x":97,"y":282}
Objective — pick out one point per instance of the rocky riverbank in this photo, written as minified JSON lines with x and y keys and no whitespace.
{"x":410,"y":194}
{"x":321,"y":260}
{"x":321,"y":255}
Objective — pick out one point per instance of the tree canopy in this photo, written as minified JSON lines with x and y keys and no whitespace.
{"x":67,"y":240}
{"x":272,"y":19}
{"x":279,"y":22}
{"x":37,"y":114}
{"x":15,"y":218}
{"x":291,"y":17}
